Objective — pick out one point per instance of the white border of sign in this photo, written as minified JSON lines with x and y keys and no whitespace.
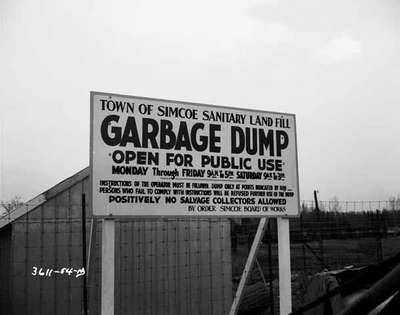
{"x":93,"y":93}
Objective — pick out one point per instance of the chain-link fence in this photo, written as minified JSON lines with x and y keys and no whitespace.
{"x":180,"y":266}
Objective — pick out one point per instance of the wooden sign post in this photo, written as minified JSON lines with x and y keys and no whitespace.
{"x":285,"y":289}
{"x":107,"y":266}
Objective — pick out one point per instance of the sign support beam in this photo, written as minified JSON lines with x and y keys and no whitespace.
{"x":249,"y":265}
{"x":107,"y":266}
{"x":285,"y":289}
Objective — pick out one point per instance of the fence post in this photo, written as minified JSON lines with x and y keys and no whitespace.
{"x":319,"y":227}
{"x":303,"y":240}
{"x":379,"y":255}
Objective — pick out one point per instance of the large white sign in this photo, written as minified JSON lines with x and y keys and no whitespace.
{"x":153,"y":157}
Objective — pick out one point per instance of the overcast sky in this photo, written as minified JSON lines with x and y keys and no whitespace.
{"x":335,"y":64}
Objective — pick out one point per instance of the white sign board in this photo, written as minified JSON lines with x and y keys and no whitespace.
{"x":153,"y":157}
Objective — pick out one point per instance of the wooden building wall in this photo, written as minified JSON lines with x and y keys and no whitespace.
{"x":163,"y":266}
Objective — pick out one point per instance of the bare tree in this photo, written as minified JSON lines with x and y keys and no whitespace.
{"x":394,"y":203}
{"x":334,"y":204}
{"x":12,"y":204}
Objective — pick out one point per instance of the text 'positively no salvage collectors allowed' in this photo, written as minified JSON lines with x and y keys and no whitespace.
{"x":168,"y":158}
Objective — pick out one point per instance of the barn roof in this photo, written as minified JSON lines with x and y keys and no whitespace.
{"x":43,"y":197}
